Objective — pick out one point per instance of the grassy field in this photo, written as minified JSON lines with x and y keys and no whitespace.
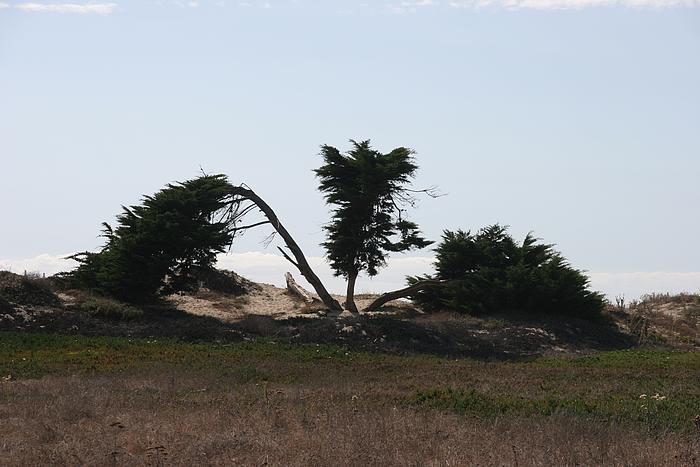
{"x":114,"y":401}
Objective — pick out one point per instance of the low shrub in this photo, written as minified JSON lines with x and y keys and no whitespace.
{"x":27,"y":290}
{"x":489,"y":272}
{"x":111,"y":309}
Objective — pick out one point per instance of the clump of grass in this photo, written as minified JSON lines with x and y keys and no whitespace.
{"x":223,"y":301}
{"x":108,"y":308}
{"x":229,"y":303}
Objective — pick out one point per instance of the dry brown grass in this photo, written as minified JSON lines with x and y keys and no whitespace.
{"x":175,"y":418}
{"x":672,"y":319}
{"x":223,"y":302}
{"x":112,"y":401}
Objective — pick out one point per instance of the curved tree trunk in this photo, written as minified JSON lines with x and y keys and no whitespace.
{"x":403,"y":293}
{"x":301,"y":263}
{"x":350,"y":296}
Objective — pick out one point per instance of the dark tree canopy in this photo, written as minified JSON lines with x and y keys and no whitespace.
{"x":173,"y":233}
{"x":488,"y":271}
{"x":369,"y":191}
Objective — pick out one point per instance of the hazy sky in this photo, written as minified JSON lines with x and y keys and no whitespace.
{"x":576,"y":119}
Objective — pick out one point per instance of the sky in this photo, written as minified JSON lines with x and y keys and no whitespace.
{"x":578,"y":120}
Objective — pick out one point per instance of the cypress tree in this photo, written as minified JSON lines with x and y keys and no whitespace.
{"x":369,"y":191}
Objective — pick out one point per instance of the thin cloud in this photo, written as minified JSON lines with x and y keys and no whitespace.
{"x":411,"y":6}
{"x":80,"y":8}
{"x":45,"y":263}
{"x":570,"y":4}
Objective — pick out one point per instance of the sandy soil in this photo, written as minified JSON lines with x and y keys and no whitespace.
{"x":268,"y":300}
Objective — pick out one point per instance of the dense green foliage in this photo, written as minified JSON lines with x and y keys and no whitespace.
{"x":368,"y":190}
{"x":488,"y":271}
{"x":173,"y":234}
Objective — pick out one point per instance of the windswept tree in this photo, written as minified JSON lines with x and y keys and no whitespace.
{"x":171,"y":234}
{"x":171,"y":240}
{"x":369,"y":191}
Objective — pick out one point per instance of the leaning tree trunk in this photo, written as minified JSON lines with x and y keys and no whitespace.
{"x":301,"y":263}
{"x":350,"y":297}
{"x":403,"y":293}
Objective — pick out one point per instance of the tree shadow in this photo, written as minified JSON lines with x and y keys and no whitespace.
{"x":507,"y":336}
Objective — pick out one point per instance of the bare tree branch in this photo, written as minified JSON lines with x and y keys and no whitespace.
{"x":433,"y":192}
{"x":267,"y":240}
{"x":236,"y":229}
{"x":246,"y":210}
{"x":287,"y":257}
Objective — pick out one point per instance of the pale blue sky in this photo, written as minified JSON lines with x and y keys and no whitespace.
{"x":578,"y":121}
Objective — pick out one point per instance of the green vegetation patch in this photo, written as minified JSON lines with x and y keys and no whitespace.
{"x":109,"y":308}
{"x":29,"y":355}
{"x":656,"y":412}
{"x":628,"y":359}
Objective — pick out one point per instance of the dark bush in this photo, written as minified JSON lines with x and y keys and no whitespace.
{"x":488,"y":271}
{"x":5,"y":306}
